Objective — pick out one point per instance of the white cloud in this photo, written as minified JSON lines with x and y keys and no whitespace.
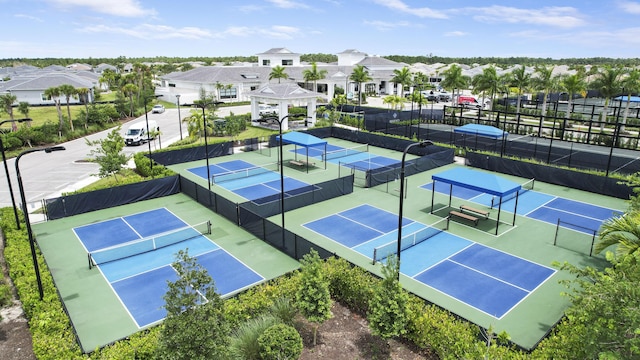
{"x":400,"y":6}
{"x":288,"y":4}
{"x":28,"y":17}
{"x":124,"y":8}
{"x":556,"y":16}
{"x":280,"y":32}
{"x":630,"y":7}
{"x":150,"y":31}
{"x":456,"y":33}
{"x":386,"y":25}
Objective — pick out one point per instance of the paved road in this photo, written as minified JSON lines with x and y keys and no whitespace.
{"x":46,"y":176}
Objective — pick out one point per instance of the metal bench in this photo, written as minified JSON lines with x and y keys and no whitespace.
{"x":466,"y":208}
{"x":301,"y":162}
{"x":464,"y":216}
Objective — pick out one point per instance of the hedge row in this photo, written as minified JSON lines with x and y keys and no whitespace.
{"x":429,"y":326}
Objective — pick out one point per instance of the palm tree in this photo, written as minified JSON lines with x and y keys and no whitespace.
{"x":630,"y":86}
{"x":454,"y":80}
{"x":68,"y":91}
{"x":623,"y":231}
{"x":6,"y":101}
{"x":83,"y":93}
{"x":543,"y":81}
{"x":129,"y":90}
{"x":314,"y":75}
{"x":360,"y":75}
{"x":572,"y":84}
{"x":521,"y":80}
{"x":401,"y":77}
{"x":278,"y":72}
{"x":394,"y":101}
{"x":53,"y":93}
{"x":489,"y":82}
{"x":607,"y":82}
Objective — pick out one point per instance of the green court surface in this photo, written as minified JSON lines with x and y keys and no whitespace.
{"x":96,"y":313}
{"x":529,"y":321}
{"x":100,"y":319}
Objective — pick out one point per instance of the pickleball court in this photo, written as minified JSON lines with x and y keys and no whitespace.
{"x":134,"y":254}
{"x":484,"y":278}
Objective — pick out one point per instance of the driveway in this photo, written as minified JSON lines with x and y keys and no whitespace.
{"x":46,"y":176}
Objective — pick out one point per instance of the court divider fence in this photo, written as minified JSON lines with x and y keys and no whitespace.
{"x":253,"y":215}
{"x":553,"y":175}
{"x":69,"y":205}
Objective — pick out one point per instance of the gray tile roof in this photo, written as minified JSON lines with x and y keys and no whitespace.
{"x":52,"y":80}
{"x":283,"y":92}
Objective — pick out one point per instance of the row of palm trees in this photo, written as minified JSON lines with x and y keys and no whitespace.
{"x":608,"y":81}
{"x":359,"y":75}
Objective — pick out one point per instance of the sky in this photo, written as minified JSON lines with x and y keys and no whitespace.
{"x":449,"y":28}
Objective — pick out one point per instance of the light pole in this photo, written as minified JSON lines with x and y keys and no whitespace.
{"x":179,"y":120}
{"x":280,"y":121}
{"x":26,"y":212}
{"x":203,"y":105}
{"x":404,"y":154}
{"x":6,"y":170}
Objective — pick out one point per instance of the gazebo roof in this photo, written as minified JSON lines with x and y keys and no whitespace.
{"x":286,"y":91}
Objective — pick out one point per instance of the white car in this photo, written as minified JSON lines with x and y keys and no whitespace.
{"x":157,"y":109}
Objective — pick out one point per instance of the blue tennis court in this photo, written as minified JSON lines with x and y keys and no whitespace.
{"x":357,"y":157}
{"x":539,"y":206}
{"x":484,"y":278}
{"x":138,"y":274}
{"x":255,"y":183}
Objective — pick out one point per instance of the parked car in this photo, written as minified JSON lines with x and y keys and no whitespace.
{"x":444,"y":96}
{"x":157,"y":109}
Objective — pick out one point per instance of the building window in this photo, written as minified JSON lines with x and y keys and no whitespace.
{"x":266,"y":62}
{"x":228,"y":93}
{"x":172,"y":85}
{"x":287,"y":62}
{"x":45,"y":97}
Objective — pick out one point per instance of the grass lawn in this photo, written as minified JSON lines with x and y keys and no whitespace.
{"x":44,"y":114}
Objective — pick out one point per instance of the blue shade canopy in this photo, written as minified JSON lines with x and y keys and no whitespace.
{"x":634,"y":99}
{"x":481,"y":130}
{"x":479,"y":181}
{"x":301,"y":139}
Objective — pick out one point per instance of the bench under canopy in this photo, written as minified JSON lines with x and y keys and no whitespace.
{"x":479,"y":181}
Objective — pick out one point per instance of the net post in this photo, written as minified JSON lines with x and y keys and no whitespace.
{"x":374,"y":257}
{"x":89,"y":258}
{"x":208,"y":227}
{"x":555,"y":238}
{"x":593,"y":241}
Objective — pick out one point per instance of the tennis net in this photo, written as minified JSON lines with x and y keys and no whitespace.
{"x":391,"y":248}
{"x":244,"y":173}
{"x":151,"y":243}
{"x":336,"y":154}
{"x":526,"y":186}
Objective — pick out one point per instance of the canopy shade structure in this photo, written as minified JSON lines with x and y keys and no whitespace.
{"x":304,"y":140}
{"x":482,"y":130}
{"x":488,"y":137}
{"x":477,"y":181}
{"x":633,"y":99}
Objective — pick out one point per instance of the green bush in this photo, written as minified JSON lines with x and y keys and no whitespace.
{"x":143,"y":167}
{"x":244,"y":340}
{"x":279,"y":342}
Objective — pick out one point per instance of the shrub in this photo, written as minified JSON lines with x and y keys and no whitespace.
{"x":280,"y":341}
{"x":244,"y":340}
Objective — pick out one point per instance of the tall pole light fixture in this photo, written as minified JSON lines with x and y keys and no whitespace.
{"x":281,"y":160}
{"x":179,"y":120}
{"x":26,"y":212}
{"x":203,"y":105}
{"x":146,"y":117}
{"x":6,"y":170}
{"x":404,"y":155}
